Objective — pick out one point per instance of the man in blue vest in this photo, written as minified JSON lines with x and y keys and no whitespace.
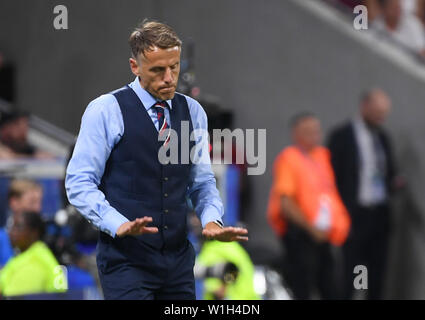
{"x":116,"y":180}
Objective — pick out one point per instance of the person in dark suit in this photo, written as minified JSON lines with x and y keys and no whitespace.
{"x":364,"y":168}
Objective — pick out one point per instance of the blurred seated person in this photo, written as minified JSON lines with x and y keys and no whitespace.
{"x":242,"y":288}
{"x":307,"y":213}
{"x":35,"y":269}
{"x":14,"y":143}
{"x":23,"y":195}
{"x":400,"y":26}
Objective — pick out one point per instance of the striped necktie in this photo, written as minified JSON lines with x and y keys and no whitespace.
{"x":162,"y":121}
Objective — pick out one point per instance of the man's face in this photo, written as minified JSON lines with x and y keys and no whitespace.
{"x":29,"y":201}
{"x":158,"y":70}
{"x":376,"y":110}
{"x":17,"y":130}
{"x":308,"y":133}
{"x":20,"y":235}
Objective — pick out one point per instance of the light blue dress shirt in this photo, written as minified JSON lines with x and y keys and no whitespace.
{"x":101,"y":129}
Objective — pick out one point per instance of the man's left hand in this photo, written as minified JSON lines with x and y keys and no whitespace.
{"x":227,"y":234}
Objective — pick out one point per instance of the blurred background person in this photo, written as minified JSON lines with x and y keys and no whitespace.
{"x":307,"y":213}
{"x":400,"y":26}
{"x":240,"y":286}
{"x":34,"y":269}
{"x":14,"y":143}
{"x":364,"y":168}
{"x":235,"y":279}
{"x":23,"y":195}
{"x":65,"y":236}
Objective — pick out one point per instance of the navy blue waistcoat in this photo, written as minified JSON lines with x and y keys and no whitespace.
{"x":136,"y":184}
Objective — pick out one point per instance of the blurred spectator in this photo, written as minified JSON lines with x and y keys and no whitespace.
{"x":400,"y":26}
{"x":14,"y":143}
{"x":62,"y":238}
{"x":364,"y":169}
{"x":35,"y":269}
{"x":73,"y":241}
{"x":242,"y":287}
{"x":23,"y":195}
{"x":306,"y":212}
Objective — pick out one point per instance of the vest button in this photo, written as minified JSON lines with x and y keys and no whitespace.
{"x":166,"y":210}
{"x":165,"y":227}
{"x":165,"y":178}
{"x":166,"y":195}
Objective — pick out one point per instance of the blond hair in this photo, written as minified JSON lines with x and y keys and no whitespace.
{"x":19,"y":187}
{"x":152,"y":34}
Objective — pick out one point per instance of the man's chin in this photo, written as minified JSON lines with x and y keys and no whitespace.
{"x":167,"y":96}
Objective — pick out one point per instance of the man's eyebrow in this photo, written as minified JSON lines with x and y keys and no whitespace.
{"x":157,"y":67}
{"x":162,"y":67}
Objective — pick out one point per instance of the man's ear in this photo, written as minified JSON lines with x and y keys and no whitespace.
{"x":134,"y":66}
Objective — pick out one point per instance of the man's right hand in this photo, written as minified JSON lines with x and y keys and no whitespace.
{"x":136,"y":227}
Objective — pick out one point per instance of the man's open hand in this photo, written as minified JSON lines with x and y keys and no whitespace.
{"x":136,"y":227}
{"x":227,"y":234}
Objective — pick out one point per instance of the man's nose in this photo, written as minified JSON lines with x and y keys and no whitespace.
{"x":168,"y":76}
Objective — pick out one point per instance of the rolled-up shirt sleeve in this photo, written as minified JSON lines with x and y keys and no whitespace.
{"x":202,"y":189}
{"x":101,"y":128}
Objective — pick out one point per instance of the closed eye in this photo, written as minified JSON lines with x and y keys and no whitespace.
{"x":157,"y":69}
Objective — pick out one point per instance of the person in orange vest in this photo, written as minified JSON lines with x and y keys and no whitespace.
{"x":305,"y":211}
